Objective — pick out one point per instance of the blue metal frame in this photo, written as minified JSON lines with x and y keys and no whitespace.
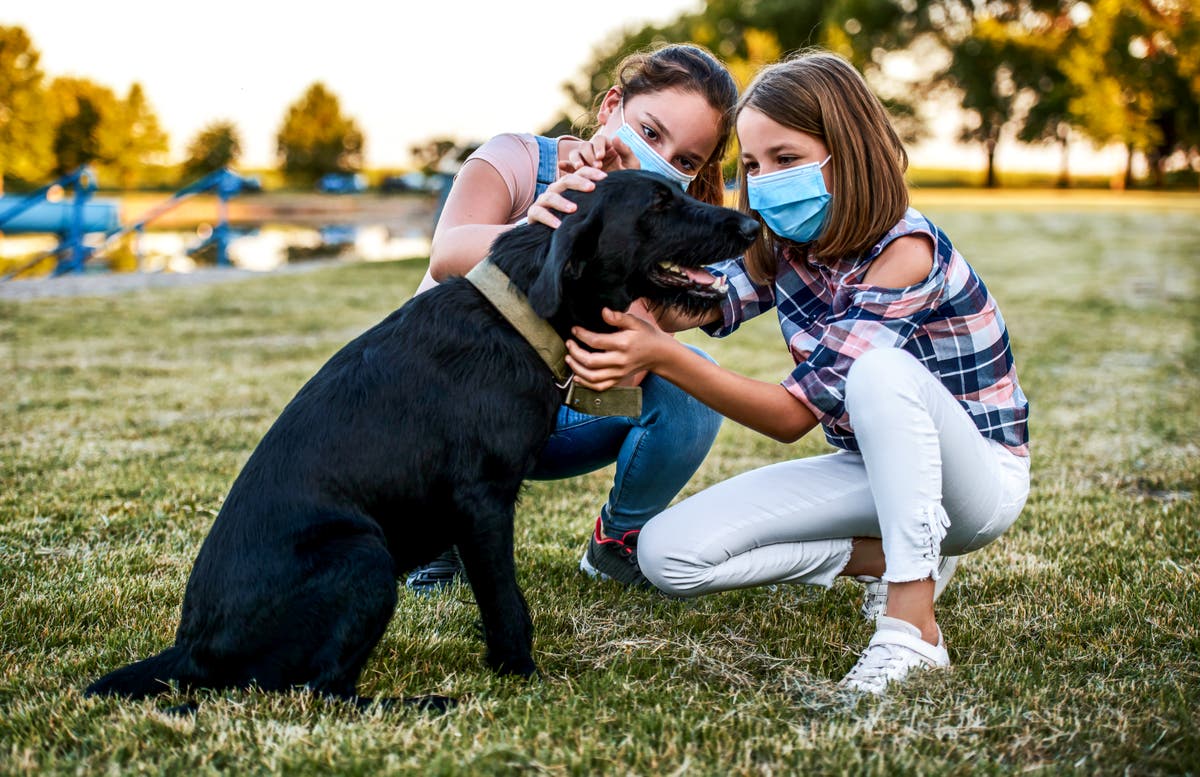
{"x":73,"y":252}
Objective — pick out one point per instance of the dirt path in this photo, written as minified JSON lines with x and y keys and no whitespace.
{"x":101,"y":284}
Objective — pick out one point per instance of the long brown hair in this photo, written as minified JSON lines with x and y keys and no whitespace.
{"x":821,"y":94}
{"x":690,"y":68}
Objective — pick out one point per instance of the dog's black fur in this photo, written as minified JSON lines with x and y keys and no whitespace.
{"x":415,"y":437}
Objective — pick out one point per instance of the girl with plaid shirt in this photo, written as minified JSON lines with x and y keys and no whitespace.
{"x":901,"y":356}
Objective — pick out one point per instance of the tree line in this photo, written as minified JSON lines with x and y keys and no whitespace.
{"x":1045,"y":71}
{"x":49,"y":127}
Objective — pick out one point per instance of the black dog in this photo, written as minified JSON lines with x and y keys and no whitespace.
{"x":414,"y":437}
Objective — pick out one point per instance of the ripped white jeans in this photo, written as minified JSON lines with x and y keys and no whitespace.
{"x":926,"y":482}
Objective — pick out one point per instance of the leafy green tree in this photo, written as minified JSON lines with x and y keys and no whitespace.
{"x":316,"y":138}
{"x":1050,"y":119}
{"x":217,"y":145}
{"x":25,"y":131}
{"x":1136,"y":69}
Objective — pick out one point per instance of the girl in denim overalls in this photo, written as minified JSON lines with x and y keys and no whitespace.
{"x":669,"y":112}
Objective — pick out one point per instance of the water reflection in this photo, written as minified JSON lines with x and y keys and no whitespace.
{"x":269,"y":246}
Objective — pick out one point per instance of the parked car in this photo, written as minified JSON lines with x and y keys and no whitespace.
{"x":412,"y":182}
{"x":342,"y":183}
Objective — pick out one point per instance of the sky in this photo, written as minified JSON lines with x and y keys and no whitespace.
{"x":406,"y":70}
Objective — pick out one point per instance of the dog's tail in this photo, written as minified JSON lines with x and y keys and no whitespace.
{"x":148,"y":677}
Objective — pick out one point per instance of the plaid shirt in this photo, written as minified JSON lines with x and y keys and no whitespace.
{"x":829,"y":317}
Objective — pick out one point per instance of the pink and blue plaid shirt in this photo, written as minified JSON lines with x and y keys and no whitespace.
{"x":829,"y":317}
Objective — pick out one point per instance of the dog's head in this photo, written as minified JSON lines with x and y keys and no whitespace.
{"x":635,"y":236}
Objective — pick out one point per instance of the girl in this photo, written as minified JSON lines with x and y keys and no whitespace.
{"x":671,"y":112}
{"x":901,"y":356}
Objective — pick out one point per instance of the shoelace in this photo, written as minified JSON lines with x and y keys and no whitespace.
{"x":877,"y":661}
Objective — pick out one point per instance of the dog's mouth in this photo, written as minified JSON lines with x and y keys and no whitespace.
{"x":692,"y":280}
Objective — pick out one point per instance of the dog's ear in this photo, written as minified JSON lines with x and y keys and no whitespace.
{"x":573,"y":242}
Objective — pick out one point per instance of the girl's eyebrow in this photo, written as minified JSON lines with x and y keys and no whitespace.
{"x":786,"y":146}
{"x":666,"y":133}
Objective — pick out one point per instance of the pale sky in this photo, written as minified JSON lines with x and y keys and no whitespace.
{"x":406,"y":71}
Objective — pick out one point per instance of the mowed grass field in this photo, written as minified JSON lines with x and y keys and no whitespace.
{"x":1075,"y":637}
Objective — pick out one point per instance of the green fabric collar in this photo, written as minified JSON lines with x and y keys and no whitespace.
{"x":512,"y":304}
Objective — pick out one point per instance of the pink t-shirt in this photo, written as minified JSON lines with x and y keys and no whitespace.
{"x":515,"y":157}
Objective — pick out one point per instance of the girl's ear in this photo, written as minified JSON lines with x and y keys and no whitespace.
{"x":609,"y":105}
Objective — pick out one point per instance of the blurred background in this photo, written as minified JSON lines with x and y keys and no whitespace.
{"x":342,"y":124}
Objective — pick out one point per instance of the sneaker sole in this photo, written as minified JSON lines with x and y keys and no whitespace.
{"x":586,"y":568}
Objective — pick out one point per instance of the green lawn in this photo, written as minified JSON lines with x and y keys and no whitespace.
{"x":1075,"y":638}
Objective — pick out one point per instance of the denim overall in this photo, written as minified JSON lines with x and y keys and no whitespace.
{"x":655,"y":454}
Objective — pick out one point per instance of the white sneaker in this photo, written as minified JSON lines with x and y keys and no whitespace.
{"x":875,"y":590}
{"x":895,"y":650}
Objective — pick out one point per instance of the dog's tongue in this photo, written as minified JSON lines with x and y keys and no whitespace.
{"x":699,"y":276}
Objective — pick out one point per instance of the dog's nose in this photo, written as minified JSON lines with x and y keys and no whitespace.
{"x":749,"y":228}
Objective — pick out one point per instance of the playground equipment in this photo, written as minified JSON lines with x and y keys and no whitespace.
{"x":73,"y":221}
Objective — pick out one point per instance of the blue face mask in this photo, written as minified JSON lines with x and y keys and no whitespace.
{"x":649,"y":158}
{"x":792,"y":202}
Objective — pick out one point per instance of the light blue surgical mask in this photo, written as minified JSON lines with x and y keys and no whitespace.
{"x":792,"y":202}
{"x":649,"y":158}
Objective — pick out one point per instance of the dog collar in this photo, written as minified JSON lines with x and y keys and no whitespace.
{"x":496,"y":287}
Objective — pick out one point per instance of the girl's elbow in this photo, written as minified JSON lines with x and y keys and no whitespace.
{"x":787,"y":435}
{"x":439,"y":259}
{"x":790,"y":427}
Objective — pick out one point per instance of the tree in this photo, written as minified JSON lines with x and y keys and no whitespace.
{"x":1136,"y":69}
{"x":316,"y":138}
{"x":428,"y":156}
{"x":81,"y":111}
{"x":133,"y":139}
{"x":217,"y":145}
{"x":24,"y":129}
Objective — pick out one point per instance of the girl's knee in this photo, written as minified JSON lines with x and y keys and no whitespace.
{"x":878,"y":374}
{"x":662,"y":561}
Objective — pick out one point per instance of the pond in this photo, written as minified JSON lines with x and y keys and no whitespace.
{"x":264,"y":234}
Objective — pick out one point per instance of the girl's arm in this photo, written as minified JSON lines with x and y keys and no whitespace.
{"x":766,"y":408}
{"x":474,"y":215}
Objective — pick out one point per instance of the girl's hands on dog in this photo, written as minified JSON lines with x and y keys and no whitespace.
{"x":552,"y":200}
{"x":638,"y":345}
{"x":589,"y":162}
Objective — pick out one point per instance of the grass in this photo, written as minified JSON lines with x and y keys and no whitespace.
{"x":1075,"y":637}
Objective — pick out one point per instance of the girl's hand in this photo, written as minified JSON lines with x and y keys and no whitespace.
{"x":601,"y":152}
{"x":634,"y":347}
{"x":543,"y":208}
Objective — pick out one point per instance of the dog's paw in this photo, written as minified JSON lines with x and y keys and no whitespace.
{"x":520,"y":667}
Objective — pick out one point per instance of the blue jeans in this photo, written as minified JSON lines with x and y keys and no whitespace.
{"x":656,"y":454}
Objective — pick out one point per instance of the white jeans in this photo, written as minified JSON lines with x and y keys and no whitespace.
{"x":926,"y":482}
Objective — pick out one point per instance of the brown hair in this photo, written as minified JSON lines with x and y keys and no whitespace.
{"x":690,"y":68}
{"x":821,"y":94}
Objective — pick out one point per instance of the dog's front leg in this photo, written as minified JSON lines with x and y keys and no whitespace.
{"x":487,"y":555}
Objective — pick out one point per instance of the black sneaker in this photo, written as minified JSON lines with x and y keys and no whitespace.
{"x":440,"y":573}
{"x":610,"y":559}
